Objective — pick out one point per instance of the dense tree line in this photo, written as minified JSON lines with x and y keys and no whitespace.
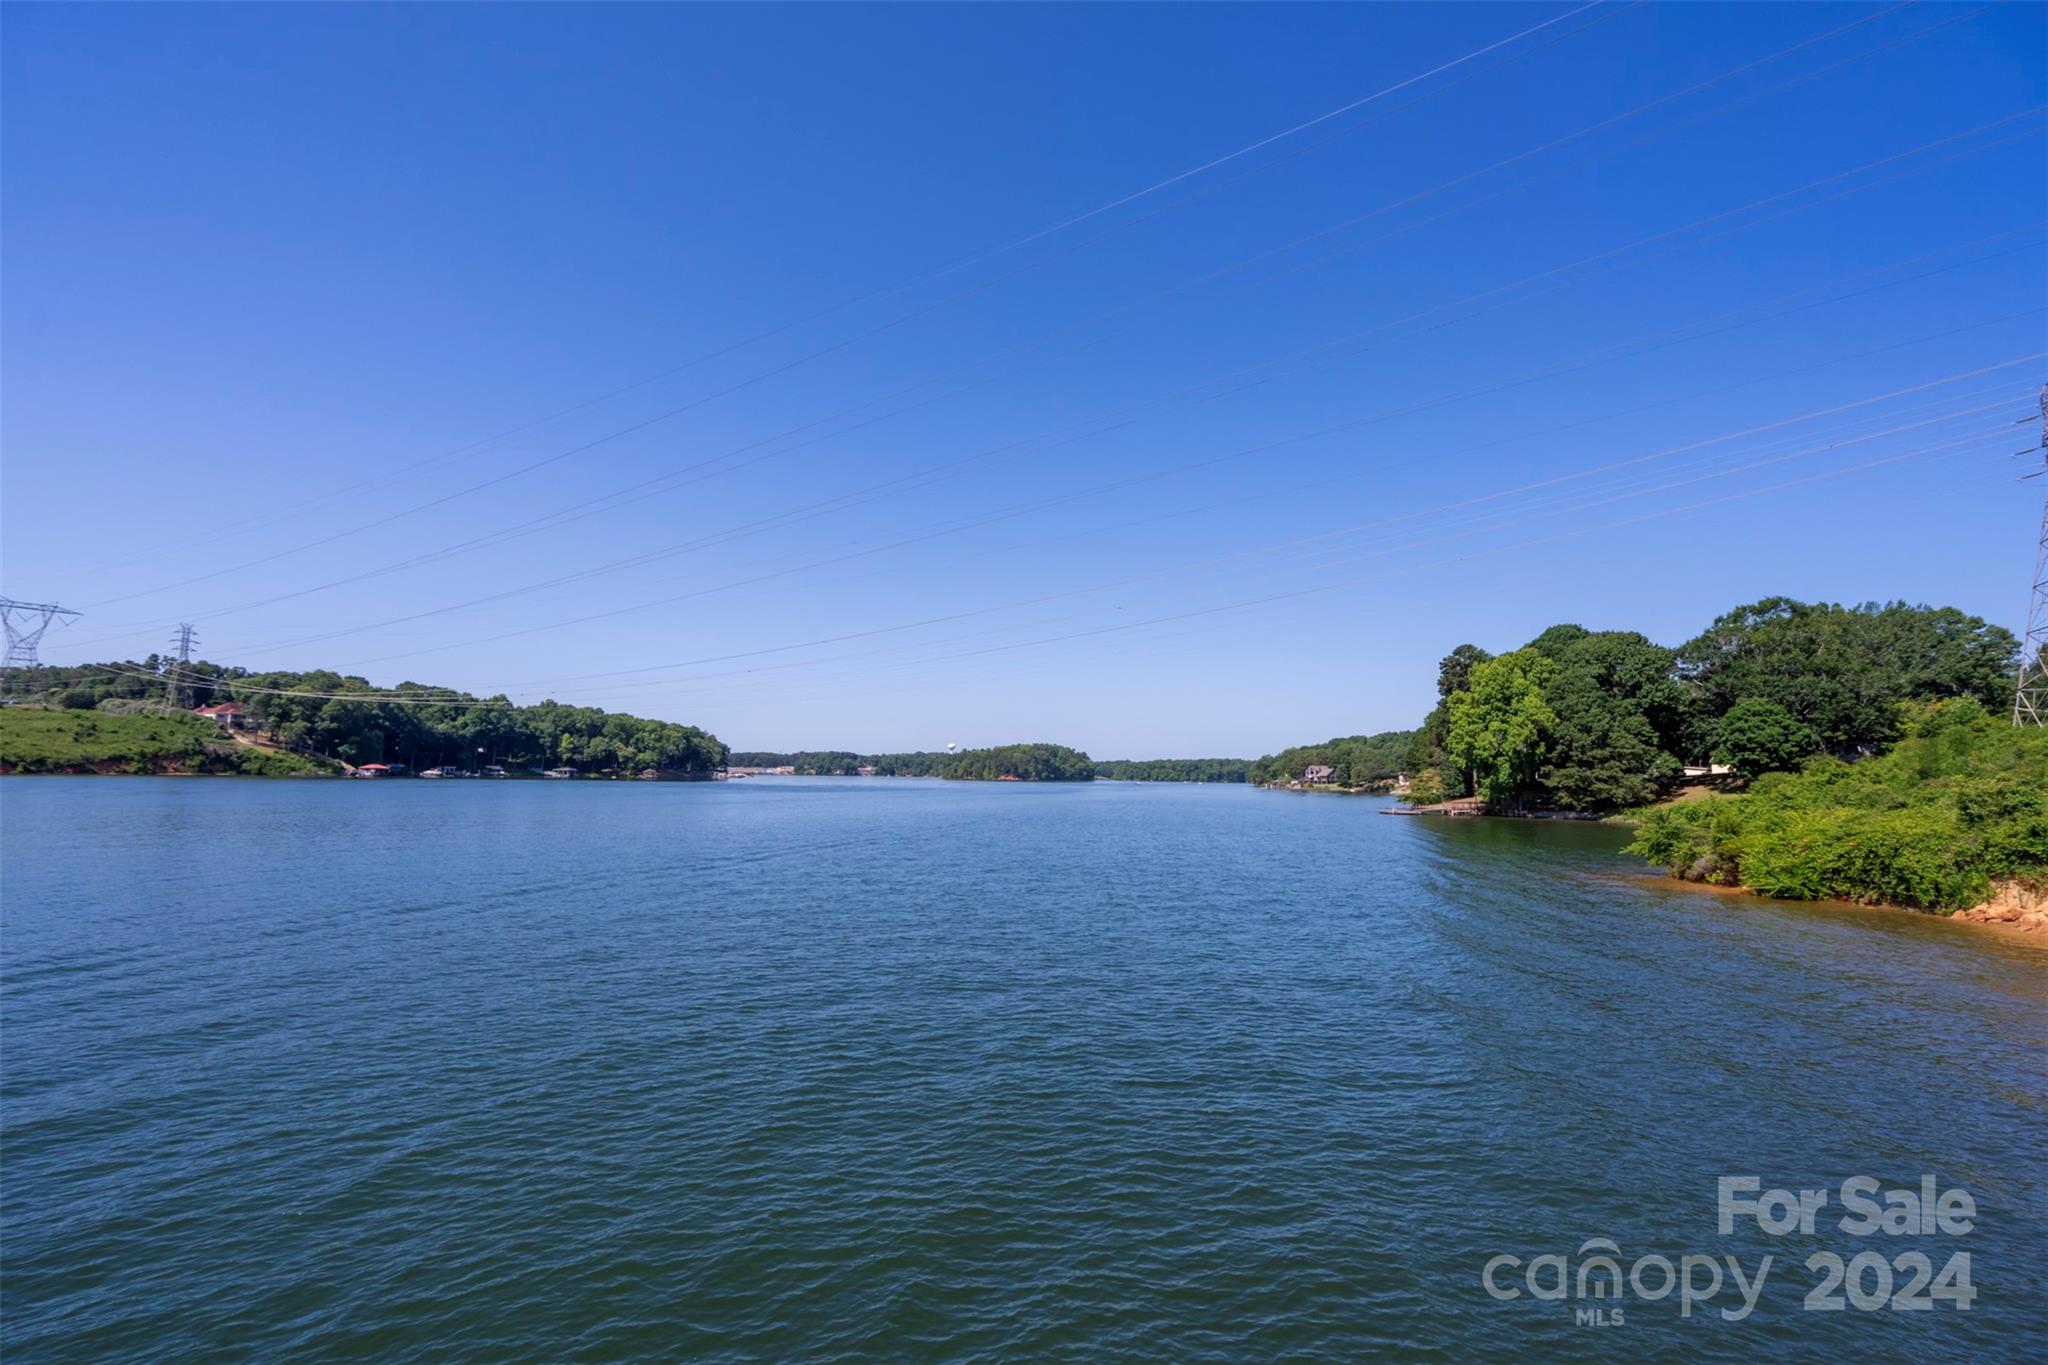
{"x":1355,"y":761}
{"x":826,"y":763}
{"x":1174,"y":769}
{"x":841,"y":763}
{"x":922,"y":763}
{"x":412,"y":724}
{"x":1598,"y":720}
{"x":1024,"y":762}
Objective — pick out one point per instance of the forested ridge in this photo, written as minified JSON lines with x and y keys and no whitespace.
{"x":1173,"y":769}
{"x":412,"y":723}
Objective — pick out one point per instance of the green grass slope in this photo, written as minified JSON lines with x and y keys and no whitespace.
{"x":38,"y":741}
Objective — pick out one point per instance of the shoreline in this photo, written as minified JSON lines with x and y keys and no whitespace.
{"x":2033,"y":933}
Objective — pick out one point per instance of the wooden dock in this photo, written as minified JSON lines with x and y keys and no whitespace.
{"x":1464,"y":806}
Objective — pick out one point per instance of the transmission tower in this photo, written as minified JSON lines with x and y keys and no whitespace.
{"x":2030,"y":694}
{"x":22,"y":636}
{"x":174,"y":674}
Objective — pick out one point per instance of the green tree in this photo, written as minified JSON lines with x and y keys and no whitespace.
{"x":1619,"y":710}
{"x":1845,"y":670}
{"x":1557,"y":641}
{"x":1758,"y":736}
{"x":1429,"y":744}
{"x":1454,"y":670}
{"x":1500,"y":727}
{"x":1426,"y":788}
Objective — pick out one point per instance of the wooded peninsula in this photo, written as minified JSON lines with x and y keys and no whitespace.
{"x":1803,"y":750}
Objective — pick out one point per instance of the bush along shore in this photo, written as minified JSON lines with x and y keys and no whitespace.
{"x":1953,"y":818}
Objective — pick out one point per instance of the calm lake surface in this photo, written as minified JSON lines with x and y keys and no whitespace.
{"x":790,"y":1068}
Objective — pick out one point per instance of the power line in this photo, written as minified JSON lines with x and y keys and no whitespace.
{"x":1441,"y":564}
{"x":1463,"y":537}
{"x":1549,"y":370}
{"x":910,"y":281}
{"x":1506,"y":519}
{"x":438,"y":697}
{"x":927,"y":475}
{"x":617,"y":498}
{"x":1625,"y":463}
{"x":1025,"y":509}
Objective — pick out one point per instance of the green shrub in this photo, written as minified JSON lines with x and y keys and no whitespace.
{"x":1961,"y":799}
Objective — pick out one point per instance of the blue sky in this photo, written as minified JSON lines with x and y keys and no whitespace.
{"x":718,"y":364}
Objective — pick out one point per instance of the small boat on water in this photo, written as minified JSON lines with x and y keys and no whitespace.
{"x":559,"y":773}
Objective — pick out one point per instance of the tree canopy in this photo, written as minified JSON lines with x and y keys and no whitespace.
{"x":1618,"y":715}
{"x":1844,"y":670}
{"x":1759,"y":736}
{"x":1501,"y":726}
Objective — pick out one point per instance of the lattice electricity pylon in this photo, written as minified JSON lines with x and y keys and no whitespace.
{"x":175,"y":698}
{"x":2030,"y":691}
{"x":22,"y":638}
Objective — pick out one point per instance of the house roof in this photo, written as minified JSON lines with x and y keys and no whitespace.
{"x":226,"y":708}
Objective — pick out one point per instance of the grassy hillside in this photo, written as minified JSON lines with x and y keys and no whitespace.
{"x":1960,"y":801}
{"x":38,"y":741}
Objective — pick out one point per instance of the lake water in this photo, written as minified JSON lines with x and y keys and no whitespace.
{"x":794,"y":1069}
